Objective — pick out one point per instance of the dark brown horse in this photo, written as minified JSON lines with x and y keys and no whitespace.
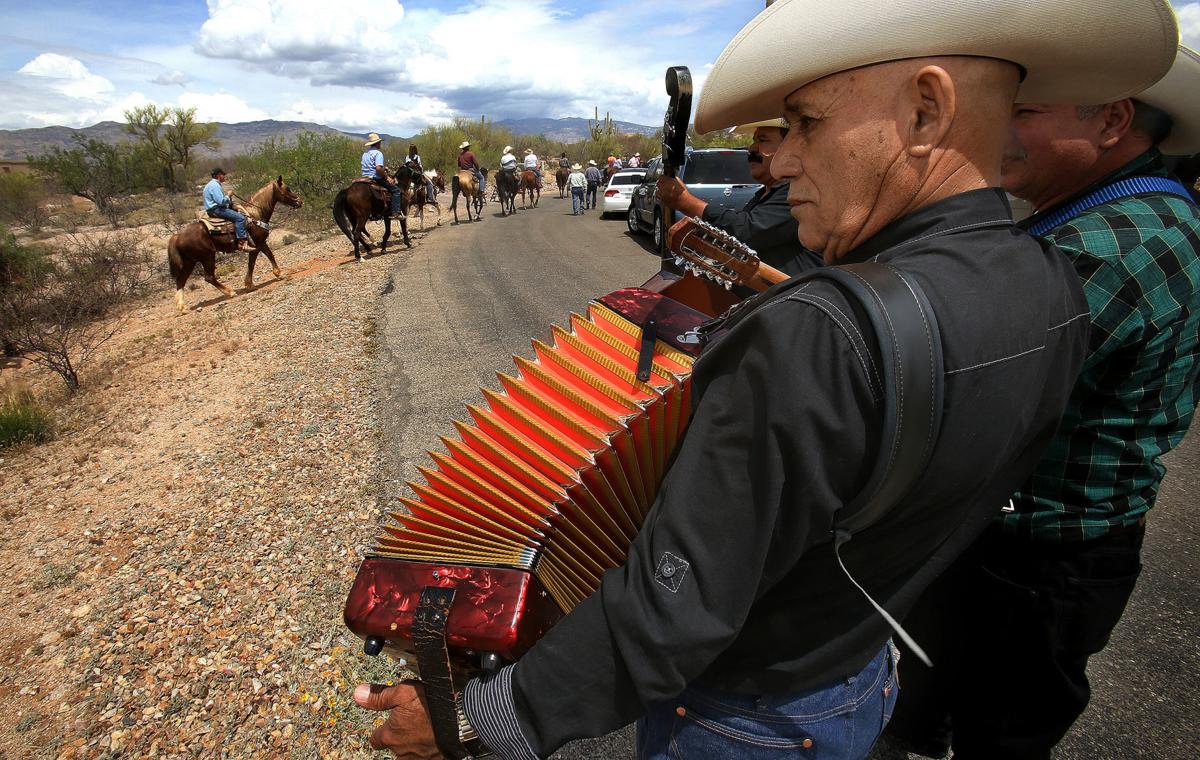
{"x":361,"y":203}
{"x":529,"y":183}
{"x":508,"y":184}
{"x":560,"y":176}
{"x":193,"y":244}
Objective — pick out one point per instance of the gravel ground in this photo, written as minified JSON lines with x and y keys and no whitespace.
{"x":173,"y":566}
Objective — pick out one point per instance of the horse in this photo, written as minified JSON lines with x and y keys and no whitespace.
{"x":466,"y":184}
{"x":560,"y":176}
{"x":194,"y":244}
{"x":419,"y":199}
{"x":529,"y":182}
{"x":507,"y":185}
{"x":354,"y":206}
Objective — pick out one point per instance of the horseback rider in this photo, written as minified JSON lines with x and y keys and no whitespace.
{"x":413,"y":161}
{"x":373,"y":168}
{"x":219,"y":205}
{"x":467,"y":162}
{"x":508,"y":162}
{"x":532,"y":164}
{"x":563,"y":162}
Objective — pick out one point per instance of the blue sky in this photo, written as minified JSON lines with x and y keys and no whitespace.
{"x":361,"y":65}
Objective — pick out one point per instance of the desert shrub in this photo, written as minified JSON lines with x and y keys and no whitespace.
{"x":100,"y":172}
{"x":63,"y":305}
{"x":22,"y":419}
{"x":21,"y":199}
{"x":315,"y":165}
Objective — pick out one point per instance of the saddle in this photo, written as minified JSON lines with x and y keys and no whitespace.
{"x":381,"y":192}
{"x":214,"y":225}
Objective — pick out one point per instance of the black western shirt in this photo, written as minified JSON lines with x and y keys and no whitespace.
{"x":784,"y":430}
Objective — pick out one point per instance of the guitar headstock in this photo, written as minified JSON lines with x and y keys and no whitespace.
{"x":675,"y":121}
{"x":711,"y":253}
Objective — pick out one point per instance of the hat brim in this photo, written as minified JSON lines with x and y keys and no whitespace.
{"x":1129,"y":46}
{"x":747,"y":130}
{"x":1178,"y":95}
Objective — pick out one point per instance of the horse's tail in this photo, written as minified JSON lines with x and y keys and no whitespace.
{"x":455,"y":186}
{"x":339,"y":214}
{"x":174,"y":260}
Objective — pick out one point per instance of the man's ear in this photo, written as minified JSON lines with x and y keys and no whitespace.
{"x":1118,"y":118}
{"x":934,"y":102}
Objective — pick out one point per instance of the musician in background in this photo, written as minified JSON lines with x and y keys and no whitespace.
{"x":765,"y":223}
{"x":738,"y":627}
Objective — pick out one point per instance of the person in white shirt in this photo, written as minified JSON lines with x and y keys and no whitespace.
{"x":532,"y":164}
{"x":508,"y":162}
{"x":636,"y":161}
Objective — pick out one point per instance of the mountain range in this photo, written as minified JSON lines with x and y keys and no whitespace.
{"x":16,"y":144}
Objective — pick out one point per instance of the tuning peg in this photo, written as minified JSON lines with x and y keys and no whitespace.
{"x":678,"y":261}
{"x":728,"y":284}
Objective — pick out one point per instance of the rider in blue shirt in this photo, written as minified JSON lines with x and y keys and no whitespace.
{"x":220,"y":205}
{"x":373,"y":167}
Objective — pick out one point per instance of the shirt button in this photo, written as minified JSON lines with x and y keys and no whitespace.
{"x":668,"y":570}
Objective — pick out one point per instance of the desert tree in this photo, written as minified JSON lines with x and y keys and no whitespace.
{"x":96,"y":170}
{"x":172,"y":136}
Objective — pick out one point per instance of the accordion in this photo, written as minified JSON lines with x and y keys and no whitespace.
{"x":546,"y":486}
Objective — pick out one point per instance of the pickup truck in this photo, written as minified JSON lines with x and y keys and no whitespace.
{"x":718,"y":176}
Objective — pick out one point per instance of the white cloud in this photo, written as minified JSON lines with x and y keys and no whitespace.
{"x":1189,"y":24}
{"x":172,"y":78}
{"x":68,"y":76}
{"x":220,"y":106}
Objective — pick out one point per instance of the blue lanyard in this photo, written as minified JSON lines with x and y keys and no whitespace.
{"x":1117,"y":190}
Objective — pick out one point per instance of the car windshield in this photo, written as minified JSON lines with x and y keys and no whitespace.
{"x":720,"y":167}
{"x":627,"y":179}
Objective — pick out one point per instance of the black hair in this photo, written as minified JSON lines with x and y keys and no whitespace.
{"x":217,"y":171}
{"x":1152,"y":122}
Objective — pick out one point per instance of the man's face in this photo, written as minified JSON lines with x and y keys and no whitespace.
{"x":843,"y":143}
{"x":221,"y":177}
{"x":766,"y":142}
{"x":1050,"y":149}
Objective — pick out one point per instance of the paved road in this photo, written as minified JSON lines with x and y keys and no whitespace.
{"x":470,"y":296}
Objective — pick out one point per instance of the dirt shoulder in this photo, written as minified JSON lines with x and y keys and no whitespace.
{"x":173,"y":565}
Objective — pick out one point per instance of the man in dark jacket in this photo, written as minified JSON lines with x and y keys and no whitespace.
{"x":765,"y":223}
{"x":738,"y":626}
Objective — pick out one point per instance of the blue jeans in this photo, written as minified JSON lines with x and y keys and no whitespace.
{"x":577,"y":200}
{"x":239,"y":220}
{"x":837,"y":722}
{"x":591,"y":195}
{"x":395,"y":191}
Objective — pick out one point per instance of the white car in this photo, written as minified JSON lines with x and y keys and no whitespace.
{"x":620,"y":190}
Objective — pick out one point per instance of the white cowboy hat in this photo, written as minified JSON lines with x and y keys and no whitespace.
{"x":508,"y":149}
{"x":464,"y":144}
{"x":747,"y":130}
{"x":528,"y":150}
{"x":591,"y":162}
{"x":576,"y":166}
{"x":1178,"y":95}
{"x":372,"y":139}
{"x":1130,"y":46}
{"x":637,"y":155}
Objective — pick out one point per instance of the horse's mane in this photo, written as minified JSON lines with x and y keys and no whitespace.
{"x":258,"y":202}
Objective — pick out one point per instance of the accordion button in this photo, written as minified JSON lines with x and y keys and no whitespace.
{"x":680,"y":711}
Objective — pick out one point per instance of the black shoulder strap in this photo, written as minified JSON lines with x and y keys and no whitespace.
{"x":910,"y":348}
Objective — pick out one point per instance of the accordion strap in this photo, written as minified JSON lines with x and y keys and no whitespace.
{"x":910,"y":354}
{"x":433,"y":660}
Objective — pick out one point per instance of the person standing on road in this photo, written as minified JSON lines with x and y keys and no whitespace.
{"x":746,"y":620}
{"x":765,"y":223}
{"x":592,"y":174}
{"x":577,"y":181}
{"x":1041,"y":591}
{"x":219,"y":205}
{"x":374,"y":168}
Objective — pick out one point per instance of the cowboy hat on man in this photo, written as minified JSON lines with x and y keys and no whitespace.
{"x":373,"y":139}
{"x":732,"y":622}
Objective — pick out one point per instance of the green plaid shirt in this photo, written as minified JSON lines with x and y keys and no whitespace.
{"x":1133,"y":402}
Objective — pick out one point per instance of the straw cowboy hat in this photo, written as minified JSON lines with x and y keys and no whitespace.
{"x":575,"y":167}
{"x":372,"y":139}
{"x":747,"y":130}
{"x":508,"y":149}
{"x":464,"y":144}
{"x":528,"y":151}
{"x":1178,"y":95}
{"x":1130,"y":46}
{"x":591,"y":162}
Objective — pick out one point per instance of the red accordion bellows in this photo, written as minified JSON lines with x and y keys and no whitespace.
{"x":553,"y":476}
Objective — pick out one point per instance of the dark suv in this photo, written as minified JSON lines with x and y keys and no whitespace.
{"x":718,"y":176}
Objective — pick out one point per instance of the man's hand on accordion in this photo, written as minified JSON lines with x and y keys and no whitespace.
{"x":407,"y":732}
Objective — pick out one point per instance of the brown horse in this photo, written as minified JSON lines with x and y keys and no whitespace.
{"x":193,"y":244}
{"x":529,"y":182}
{"x":361,"y":203}
{"x":464,"y":183}
{"x":560,"y":176}
{"x":420,"y":198}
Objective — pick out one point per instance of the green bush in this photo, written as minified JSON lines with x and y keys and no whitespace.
{"x":22,"y":420}
{"x":21,"y":198}
{"x":315,"y":165}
